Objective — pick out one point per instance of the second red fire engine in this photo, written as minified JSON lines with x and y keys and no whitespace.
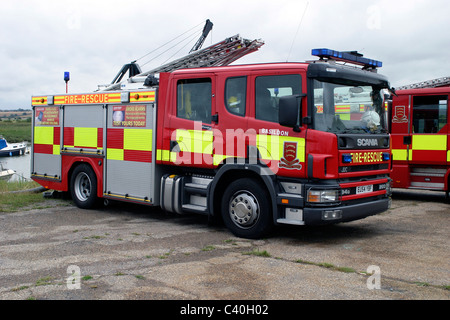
{"x":421,"y":136}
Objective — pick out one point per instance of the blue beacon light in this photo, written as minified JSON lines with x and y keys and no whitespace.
{"x":347,"y":158}
{"x":347,"y":56}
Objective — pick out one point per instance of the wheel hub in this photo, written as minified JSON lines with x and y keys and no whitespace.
{"x":244,"y":209}
{"x":82,"y":186}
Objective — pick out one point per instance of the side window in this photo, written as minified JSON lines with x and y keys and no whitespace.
{"x":429,"y":113}
{"x":269,"y":89}
{"x":194,"y":99}
{"x":235,"y":95}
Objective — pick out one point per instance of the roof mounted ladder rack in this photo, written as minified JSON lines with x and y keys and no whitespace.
{"x":220,"y":54}
{"x":439,"y":82}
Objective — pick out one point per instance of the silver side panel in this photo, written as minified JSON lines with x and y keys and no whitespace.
{"x":48,"y":165}
{"x":88,"y":116}
{"x":130,"y":155}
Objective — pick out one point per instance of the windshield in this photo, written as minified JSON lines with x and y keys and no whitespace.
{"x":349,"y":108}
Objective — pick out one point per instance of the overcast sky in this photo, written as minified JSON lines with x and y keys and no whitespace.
{"x":92,"y":39}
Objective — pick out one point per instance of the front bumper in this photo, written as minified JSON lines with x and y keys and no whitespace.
{"x":315,"y":216}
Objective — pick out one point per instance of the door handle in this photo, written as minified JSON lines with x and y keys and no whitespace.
{"x":174,"y":147}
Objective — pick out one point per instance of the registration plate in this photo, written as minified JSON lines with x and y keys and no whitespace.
{"x":364,"y":189}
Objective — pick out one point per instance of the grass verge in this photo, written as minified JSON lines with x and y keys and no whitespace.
{"x":16,"y":131}
{"x":13,"y":202}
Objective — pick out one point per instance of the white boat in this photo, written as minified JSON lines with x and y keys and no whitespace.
{"x":11,"y":149}
{"x":5,"y":173}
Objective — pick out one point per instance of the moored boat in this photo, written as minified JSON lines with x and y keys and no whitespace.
{"x":11,"y":149}
{"x":5,"y":173}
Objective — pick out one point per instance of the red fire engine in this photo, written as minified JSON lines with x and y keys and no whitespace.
{"x":421,"y":136}
{"x":257,"y":145}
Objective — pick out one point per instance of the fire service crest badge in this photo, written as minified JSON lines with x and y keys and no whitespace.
{"x":289,"y":159}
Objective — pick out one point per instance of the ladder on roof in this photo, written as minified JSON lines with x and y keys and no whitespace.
{"x":220,"y":54}
{"x":439,"y":82}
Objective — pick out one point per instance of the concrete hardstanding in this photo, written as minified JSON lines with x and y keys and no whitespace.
{"x":127,"y":252}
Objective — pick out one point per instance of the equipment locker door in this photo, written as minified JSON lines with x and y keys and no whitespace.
{"x":129,"y":170}
{"x":46,"y":160}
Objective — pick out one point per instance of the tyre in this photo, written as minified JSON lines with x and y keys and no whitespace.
{"x":246,"y":209}
{"x":83,"y":187}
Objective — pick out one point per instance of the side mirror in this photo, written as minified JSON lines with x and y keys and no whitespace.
{"x":289,"y":111}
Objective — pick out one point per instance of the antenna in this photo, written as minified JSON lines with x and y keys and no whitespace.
{"x":298,"y":28}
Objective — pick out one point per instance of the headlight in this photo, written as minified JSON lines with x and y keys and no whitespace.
{"x":388,"y":188}
{"x":323,"y":196}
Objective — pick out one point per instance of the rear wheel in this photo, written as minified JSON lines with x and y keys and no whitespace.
{"x":84,"y":187}
{"x":246,"y":209}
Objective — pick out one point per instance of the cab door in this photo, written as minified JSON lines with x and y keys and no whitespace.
{"x":401,"y":140}
{"x":281,"y":148}
{"x":429,"y":129}
{"x":190,"y":123}
{"x":401,"y":129}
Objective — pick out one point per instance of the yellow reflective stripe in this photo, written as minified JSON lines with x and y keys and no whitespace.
{"x":43,"y":135}
{"x":207,"y":142}
{"x":342,"y":108}
{"x":159,"y":153}
{"x":56,"y":149}
{"x":448,"y":155}
{"x":142,"y":96}
{"x":86,"y":137}
{"x":137,"y":139}
{"x":429,"y":142}
{"x":115,"y":154}
{"x":399,"y":154}
{"x":218,"y":158}
{"x":38,"y":101}
{"x":268,"y":146}
{"x":166,"y":155}
{"x":272,"y":147}
{"x":197,"y":141}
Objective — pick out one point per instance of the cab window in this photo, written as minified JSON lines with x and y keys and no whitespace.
{"x":235,"y":95}
{"x":194,"y":99}
{"x":429,"y":113}
{"x":269,"y":90}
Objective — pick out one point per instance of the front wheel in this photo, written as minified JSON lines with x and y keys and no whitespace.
{"x":84,"y":187}
{"x":246,"y":209}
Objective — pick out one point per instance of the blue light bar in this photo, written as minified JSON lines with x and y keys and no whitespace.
{"x":347,"y":56}
{"x":386,"y":156}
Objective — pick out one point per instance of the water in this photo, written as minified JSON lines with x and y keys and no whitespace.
{"x":21,"y":164}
